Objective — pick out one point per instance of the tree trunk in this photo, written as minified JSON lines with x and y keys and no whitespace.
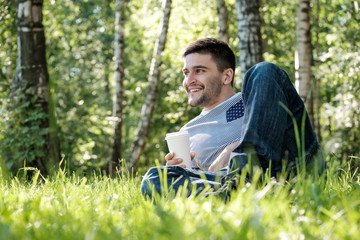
{"x":149,"y":104}
{"x":249,"y":33}
{"x":119,"y":85}
{"x":223,"y":15}
{"x":303,"y":56}
{"x":317,"y":81}
{"x":32,"y":78}
{"x":107,"y":80}
{"x":264,"y":43}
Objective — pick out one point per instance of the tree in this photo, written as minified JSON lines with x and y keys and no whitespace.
{"x":30,"y":93}
{"x":303,"y":56}
{"x":249,"y":33}
{"x":317,"y":81}
{"x":153,"y":80}
{"x":119,"y":84}
{"x":223,"y":15}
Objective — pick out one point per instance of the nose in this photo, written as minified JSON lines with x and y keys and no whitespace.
{"x":189,"y":79}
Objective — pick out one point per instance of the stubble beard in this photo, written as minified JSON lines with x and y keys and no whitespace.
{"x":209,"y":94}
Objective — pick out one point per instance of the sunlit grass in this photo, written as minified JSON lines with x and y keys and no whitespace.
{"x":71,"y":207}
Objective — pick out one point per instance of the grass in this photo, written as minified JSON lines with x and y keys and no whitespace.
{"x":70,"y":207}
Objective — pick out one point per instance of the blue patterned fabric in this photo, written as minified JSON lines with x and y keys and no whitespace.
{"x":236,"y":111}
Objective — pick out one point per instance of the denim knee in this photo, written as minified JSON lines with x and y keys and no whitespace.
{"x":265,"y":65}
{"x":270,"y":70}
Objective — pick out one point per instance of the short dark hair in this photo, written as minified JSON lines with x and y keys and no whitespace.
{"x":219,"y":50}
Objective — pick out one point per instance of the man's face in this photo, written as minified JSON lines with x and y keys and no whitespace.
{"x":203,"y":81}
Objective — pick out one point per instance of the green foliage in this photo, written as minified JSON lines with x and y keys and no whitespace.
{"x":279,"y":32}
{"x":79,"y":40}
{"x":98,"y":207}
{"x":337,"y":65}
{"x":338,"y":68}
{"x":21,"y":135}
{"x":7,"y":45}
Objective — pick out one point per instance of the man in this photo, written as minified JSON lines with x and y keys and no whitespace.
{"x":235,"y":129}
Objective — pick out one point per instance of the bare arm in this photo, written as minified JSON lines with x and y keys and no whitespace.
{"x":223,"y":159}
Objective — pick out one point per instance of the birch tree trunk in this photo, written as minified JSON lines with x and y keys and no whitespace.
{"x":223,"y":15}
{"x":249,"y":33}
{"x":119,"y":85}
{"x":32,"y":78}
{"x":303,"y":56}
{"x":149,"y":104}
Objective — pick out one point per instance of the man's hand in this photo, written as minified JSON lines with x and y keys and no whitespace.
{"x":170,"y":160}
{"x":223,"y":159}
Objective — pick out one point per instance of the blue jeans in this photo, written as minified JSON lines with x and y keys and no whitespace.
{"x":270,"y":134}
{"x":176,"y":177}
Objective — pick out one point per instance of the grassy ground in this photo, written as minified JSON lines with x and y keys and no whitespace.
{"x":65,"y":207}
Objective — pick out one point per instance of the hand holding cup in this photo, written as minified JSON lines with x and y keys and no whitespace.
{"x":179,"y":148}
{"x":171,"y":161}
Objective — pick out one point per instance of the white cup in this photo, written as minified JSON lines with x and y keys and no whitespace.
{"x":178,"y":142}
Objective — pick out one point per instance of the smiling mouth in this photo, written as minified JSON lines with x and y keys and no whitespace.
{"x":194,"y":89}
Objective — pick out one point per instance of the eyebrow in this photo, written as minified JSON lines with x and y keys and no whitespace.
{"x":197,"y":66}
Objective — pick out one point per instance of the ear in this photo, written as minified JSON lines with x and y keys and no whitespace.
{"x":228,"y":76}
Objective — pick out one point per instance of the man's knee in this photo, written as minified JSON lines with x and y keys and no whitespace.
{"x":266,"y":68}
{"x":265,"y":65}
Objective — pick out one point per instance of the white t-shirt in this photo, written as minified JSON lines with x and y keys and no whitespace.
{"x":213,"y":130}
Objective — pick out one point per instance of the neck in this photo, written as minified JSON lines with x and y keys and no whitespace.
{"x":223,"y":97}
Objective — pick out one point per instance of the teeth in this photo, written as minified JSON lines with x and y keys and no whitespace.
{"x":194,"y":90}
